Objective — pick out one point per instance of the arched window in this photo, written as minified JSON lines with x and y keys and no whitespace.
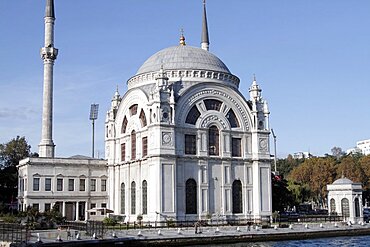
{"x":145,"y":197}
{"x":133,"y":198}
{"x":142,"y":118}
{"x":123,"y":198}
{"x":192,"y":116}
{"x":345,"y":207}
{"x":191,"y":196}
{"x":237,"y":197}
{"x":124,"y":125}
{"x":213,"y":104}
{"x":234,"y":123}
{"x":133,"y":109}
{"x":133,"y":145}
{"x":357,"y":208}
{"x":213,"y":141}
{"x":332,"y":205}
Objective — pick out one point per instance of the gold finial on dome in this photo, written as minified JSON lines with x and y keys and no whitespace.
{"x":182,"y":37}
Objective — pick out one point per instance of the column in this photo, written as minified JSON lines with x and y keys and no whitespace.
{"x":77,"y":211}
{"x":86,"y":213}
{"x":64,"y":209}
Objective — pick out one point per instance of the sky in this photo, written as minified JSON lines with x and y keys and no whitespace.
{"x":311,"y":59}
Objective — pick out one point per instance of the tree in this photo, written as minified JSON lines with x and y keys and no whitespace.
{"x":350,"y":167}
{"x":315,"y":173}
{"x":285,"y":166}
{"x":10,"y":155}
{"x":337,"y":152}
{"x":281,"y":196}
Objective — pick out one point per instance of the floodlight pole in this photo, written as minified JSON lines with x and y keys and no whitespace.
{"x":93,"y":138}
{"x":274,"y":136}
{"x":93,"y":116}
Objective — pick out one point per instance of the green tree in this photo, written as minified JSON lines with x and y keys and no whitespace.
{"x":10,"y":155}
{"x":281,"y":196}
{"x":285,"y":166}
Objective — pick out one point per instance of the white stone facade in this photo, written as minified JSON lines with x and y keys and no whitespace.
{"x":149,"y":164}
{"x":64,"y":182}
{"x":345,"y":199}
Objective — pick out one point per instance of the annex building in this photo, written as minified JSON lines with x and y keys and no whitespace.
{"x":181,"y":143}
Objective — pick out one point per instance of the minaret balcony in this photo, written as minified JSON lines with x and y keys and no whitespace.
{"x":49,"y":53}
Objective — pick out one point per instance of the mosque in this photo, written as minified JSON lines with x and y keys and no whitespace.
{"x":181,"y":143}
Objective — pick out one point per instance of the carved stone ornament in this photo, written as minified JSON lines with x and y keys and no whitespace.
{"x":213,"y":118}
{"x":263,"y":144}
{"x":167,"y":138}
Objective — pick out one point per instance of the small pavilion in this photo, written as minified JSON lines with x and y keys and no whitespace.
{"x":345,"y":199}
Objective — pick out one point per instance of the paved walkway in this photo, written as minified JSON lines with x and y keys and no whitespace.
{"x":49,"y":236}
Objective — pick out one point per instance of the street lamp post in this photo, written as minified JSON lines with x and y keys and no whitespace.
{"x":93,"y":116}
{"x":274,"y":136}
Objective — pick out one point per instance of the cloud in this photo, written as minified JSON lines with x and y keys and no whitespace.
{"x":18,"y":112}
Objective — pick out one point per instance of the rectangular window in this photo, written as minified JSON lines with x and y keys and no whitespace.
{"x":145,"y":146}
{"x":59,"y":184}
{"x":123,"y":151}
{"x":71,"y":184}
{"x":82,"y":184}
{"x":93,"y":185}
{"x":36,"y":206}
{"x":47,"y":207}
{"x":25,"y":184}
{"x":93,"y":205}
{"x":103,"y":205}
{"x":36,"y":184}
{"x":47,"y":184}
{"x":21,"y":184}
{"x":103,"y":185}
{"x":190,"y":144}
{"x":236,"y":148}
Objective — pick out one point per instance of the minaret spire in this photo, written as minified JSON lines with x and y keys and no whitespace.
{"x":205,"y":38}
{"x":48,"y":54}
{"x":49,"y":10}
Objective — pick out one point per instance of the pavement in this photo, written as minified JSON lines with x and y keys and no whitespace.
{"x":49,"y":236}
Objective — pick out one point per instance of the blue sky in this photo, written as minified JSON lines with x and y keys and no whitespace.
{"x":311,"y":58}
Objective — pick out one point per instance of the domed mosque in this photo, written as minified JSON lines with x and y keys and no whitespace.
{"x":183,"y":142}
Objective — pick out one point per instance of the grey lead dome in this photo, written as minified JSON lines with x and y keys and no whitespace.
{"x":183,"y":57}
{"x":343,"y":181}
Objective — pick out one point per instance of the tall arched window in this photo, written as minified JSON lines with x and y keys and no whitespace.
{"x":133,"y":145}
{"x":142,"y":118}
{"x":345,"y":207}
{"x":124,"y":125}
{"x":191,"y":196}
{"x":332,"y":205}
{"x":123,"y":198}
{"x":145,"y":197}
{"x":357,"y":208}
{"x":133,"y":198}
{"x":213,"y":140}
{"x":237,"y":197}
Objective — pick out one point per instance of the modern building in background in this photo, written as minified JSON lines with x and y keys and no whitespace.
{"x":362,"y":147}
{"x":302,"y":155}
{"x":181,"y":143}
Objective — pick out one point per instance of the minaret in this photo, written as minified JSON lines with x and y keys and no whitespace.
{"x":48,"y":54}
{"x":205,"y":38}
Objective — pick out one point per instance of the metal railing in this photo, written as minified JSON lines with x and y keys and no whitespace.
{"x":14,"y":233}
